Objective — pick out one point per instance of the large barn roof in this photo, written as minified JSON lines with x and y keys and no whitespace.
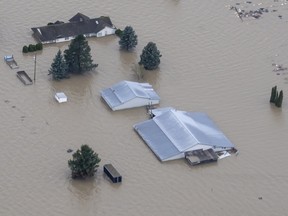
{"x":125,"y":91}
{"x":172,"y":132}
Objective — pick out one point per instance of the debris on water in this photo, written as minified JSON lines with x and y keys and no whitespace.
{"x":249,"y":9}
{"x":279,"y":67}
{"x":252,"y":13}
{"x":69,"y":150}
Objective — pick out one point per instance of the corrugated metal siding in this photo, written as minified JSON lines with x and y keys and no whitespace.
{"x":206,"y":131}
{"x":154,"y":137}
{"x":123,"y":92}
{"x":110,"y":98}
{"x":175,"y":130}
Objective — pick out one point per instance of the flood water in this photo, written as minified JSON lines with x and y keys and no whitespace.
{"x":212,"y":62}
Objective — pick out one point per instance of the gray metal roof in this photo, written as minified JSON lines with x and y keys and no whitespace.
{"x":125,"y":91}
{"x":172,"y":132}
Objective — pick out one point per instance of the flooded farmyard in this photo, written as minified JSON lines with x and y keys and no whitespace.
{"x":211,"y":62}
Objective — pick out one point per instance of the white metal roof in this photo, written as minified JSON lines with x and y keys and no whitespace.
{"x":124,"y":91}
{"x":172,"y":132}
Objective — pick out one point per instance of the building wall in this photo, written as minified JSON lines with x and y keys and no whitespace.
{"x":136,"y":102}
{"x":106,"y":31}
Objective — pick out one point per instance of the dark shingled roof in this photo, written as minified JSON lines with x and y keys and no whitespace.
{"x":79,"y":17}
{"x":74,"y":28}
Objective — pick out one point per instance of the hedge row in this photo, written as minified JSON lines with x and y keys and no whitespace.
{"x":32,"y":48}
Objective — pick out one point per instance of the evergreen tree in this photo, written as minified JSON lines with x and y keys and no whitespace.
{"x":84,"y":163}
{"x":273,"y":94}
{"x":78,"y":57}
{"x":278,"y":102}
{"x":150,"y":57}
{"x":128,"y":38}
{"x":58,"y":67}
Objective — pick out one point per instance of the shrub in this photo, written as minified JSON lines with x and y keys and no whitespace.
{"x":39,"y":46}
{"x":31,"y":48}
{"x":25,"y":49}
{"x":118,"y":32}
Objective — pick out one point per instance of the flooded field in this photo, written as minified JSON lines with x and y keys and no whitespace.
{"x":212,"y":61}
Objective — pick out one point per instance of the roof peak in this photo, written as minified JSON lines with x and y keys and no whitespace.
{"x":79,"y":17}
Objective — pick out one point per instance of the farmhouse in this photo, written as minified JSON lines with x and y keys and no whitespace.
{"x":127,"y":94}
{"x":171,"y":134}
{"x":77,"y":25}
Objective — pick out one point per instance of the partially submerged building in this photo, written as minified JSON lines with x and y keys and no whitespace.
{"x":77,"y":25}
{"x":60,"y":97}
{"x":127,"y":94}
{"x":173,"y":134}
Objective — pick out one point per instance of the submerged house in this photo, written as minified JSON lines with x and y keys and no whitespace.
{"x":78,"y":25}
{"x":127,"y":94}
{"x":173,"y":134}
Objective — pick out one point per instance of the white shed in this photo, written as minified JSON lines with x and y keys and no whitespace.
{"x":127,"y":94}
{"x":172,"y":133}
{"x":61,"y":97}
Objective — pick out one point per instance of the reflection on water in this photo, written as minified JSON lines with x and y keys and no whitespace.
{"x":83,"y":191}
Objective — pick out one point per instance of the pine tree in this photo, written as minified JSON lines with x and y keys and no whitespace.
{"x":58,"y":67}
{"x":78,"y":57}
{"x":150,"y":57}
{"x":273,"y":94}
{"x":278,"y":102}
{"x":128,"y":38}
{"x":84,"y":163}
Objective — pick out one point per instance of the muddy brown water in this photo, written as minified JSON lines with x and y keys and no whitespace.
{"x":212,"y":62}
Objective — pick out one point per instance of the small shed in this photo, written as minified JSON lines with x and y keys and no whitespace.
{"x":112,"y":173}
{"x":61,"y":97}
{"x":127,"y":94}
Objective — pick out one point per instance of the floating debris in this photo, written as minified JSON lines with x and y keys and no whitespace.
{"x":279,"y":67}
{"x":69,"y":150}
{"x":252,"y":13}
{"x":250,"y":9}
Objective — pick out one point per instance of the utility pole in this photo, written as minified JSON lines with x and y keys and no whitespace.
{"x":34,"y":68}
